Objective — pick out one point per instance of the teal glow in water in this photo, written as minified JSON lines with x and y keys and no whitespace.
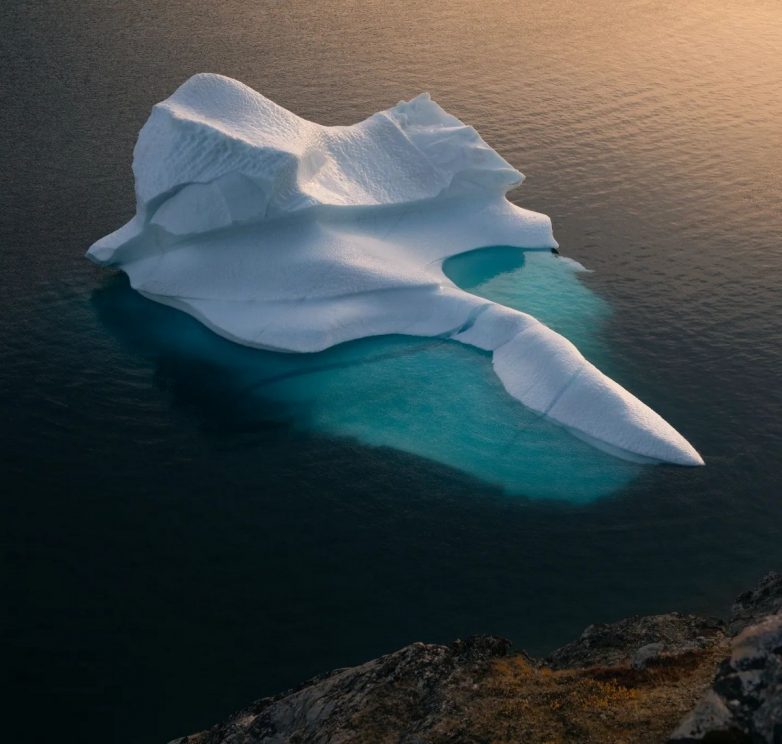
{"x":539,"y":283}
{"x":431,"y":397}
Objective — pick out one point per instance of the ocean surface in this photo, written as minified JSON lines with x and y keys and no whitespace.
{"x":188,"y":525}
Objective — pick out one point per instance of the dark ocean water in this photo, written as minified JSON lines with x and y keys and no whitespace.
{"x":171,"y":551}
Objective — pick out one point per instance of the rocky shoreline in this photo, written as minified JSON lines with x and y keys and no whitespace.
{"x":661,"y":678}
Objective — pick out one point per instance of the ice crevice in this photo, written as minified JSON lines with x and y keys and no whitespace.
{"x":283,"y":234}
{"x":469,"y":321}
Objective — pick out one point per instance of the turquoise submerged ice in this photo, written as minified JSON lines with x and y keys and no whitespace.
{"x":284,"y":235}
{"x":432,"y":397}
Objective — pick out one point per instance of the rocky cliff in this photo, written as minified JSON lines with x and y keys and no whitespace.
{"x":677,"y":678}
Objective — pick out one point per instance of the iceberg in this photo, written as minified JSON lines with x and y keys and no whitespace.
{"x":282,"y":234}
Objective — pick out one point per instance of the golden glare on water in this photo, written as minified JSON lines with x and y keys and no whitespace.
{"x":705,"y":72}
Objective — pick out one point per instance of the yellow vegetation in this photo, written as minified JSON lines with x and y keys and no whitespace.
{"x":517,"y":701}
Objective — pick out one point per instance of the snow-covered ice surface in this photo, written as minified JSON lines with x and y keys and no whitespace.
{"x":282,"y":234}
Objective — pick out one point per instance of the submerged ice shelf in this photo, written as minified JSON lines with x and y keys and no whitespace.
{"x":284,"y":235}
{"x":431,"y":397}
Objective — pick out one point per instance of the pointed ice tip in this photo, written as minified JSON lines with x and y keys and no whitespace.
{"x":672,"y":450}
{"x":676,"y":450}
{"x":691,"y":458}
{"x":102,"y":251}
{"x":673,"y":447}
{"x":666,"y":445}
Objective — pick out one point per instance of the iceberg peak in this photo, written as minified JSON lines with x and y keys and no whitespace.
{"x":283,"y":234}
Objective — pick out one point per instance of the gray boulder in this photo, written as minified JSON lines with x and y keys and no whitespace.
{"x":745,"y":701}
{"x":754,"y":605}
{"x":638,"y":640}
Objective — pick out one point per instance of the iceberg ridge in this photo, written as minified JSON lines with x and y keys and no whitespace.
{"x":282,"y":234}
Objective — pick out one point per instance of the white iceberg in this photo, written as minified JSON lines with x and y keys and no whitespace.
{"x":282,"y":234}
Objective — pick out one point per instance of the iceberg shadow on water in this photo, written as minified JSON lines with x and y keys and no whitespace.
{"x":431,"y":397}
